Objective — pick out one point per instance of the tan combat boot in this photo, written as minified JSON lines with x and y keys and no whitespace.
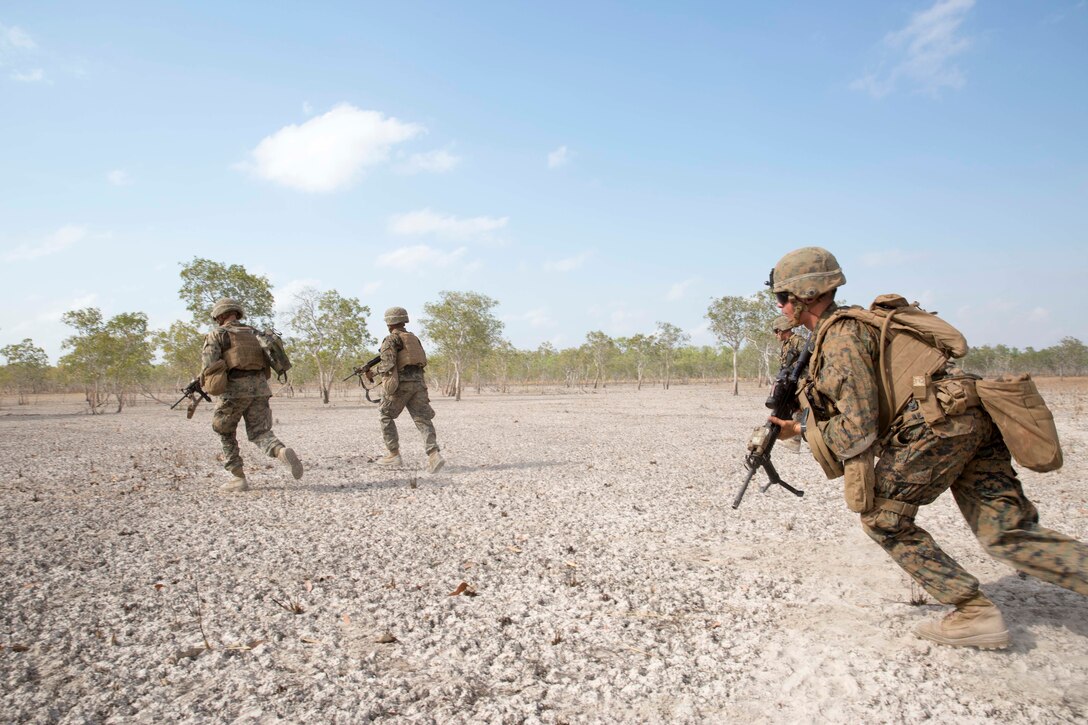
{"x":238,"y":482}
{"x":435,"y":461}
{"x":974,"y":623}
{"x":290,"y":459}
{"x":390,"y":459}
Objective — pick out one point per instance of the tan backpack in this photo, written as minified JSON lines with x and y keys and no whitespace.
{"x":1026,"y":423}
{"x":914,"y":346}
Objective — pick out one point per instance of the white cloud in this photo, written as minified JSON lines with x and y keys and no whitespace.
{"x":36,"y":75}
{"x":431,"y":162}
{"x":701,"y":335}
{"x":56,"y":242}
{"x":285,"y":294}
{"x":537,"y":318}
{"x":328,"y":152}
{"x":922,"y":53}
{"x":678,"y":290}
{"x":425,"y":221}
{"x":307,"y":109}
{"x":568,"y":264}
{"x":559,"y":157}
{"x":119,"y":177}
{"x":418,"y":257}
{"x":52,"y":312}
{"x":15,"y":37}
{"x":371,"y":287}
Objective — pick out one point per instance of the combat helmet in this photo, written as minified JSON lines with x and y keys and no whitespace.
{"x":806,"y":273}
{"x":396,"y":315}
{"x":226,"y":305}
{"x":781,"y":324}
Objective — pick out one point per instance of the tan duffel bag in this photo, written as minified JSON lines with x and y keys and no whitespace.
{"x":1026,"y":424}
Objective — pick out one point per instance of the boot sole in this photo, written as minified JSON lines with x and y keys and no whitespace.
{"x":391,"y":464}
{"x":437,"y":467}
{"x":997,"y":640}
{"x":293,"y":461}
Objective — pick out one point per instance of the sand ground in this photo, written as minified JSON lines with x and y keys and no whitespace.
{"x":612,"y":580}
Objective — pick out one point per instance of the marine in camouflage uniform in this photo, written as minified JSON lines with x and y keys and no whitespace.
{"x":246,"y":397}
{"x":403,"y":361}
{"x":792,"y":344}
{"x":916,"y":465}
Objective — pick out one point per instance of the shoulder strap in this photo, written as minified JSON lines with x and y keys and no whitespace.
{"x":875,"y":321}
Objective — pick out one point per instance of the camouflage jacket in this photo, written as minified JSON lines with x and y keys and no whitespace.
{"x":241,"y":386}
{"x":391,"y":345}
{"x":844,"y":391}
{"x":791,"y":350}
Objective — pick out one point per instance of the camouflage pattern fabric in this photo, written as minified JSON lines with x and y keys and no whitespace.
{"x":238,"y":386}
{"x":246,"y":397}
{"x":916,"y":465}
{"x":846,"y":385}
{"x":410,"y":394}
{"x":791,"y":350}
{"x":388,"y":352}
{"x":258,"y":416}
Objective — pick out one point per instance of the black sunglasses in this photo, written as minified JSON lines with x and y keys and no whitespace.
{"x":781,"y":297}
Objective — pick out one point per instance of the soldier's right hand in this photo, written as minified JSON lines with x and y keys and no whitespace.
{"x":790,"y":428}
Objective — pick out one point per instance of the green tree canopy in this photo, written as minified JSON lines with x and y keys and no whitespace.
{"x":601,"y":348}
{"x":180,"y":345}
{"x":203,"y":282}
{"x":732,"y":320}
{"x":463,"y":327}
{"x":27,"y":367}
{"x":331,"y":330}
{"x":110,"y":357}
{"x":669,"y":339}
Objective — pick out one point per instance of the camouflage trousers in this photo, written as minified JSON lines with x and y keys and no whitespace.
{"x":258,"y":417}
{"x":918,"y":466}
{"x":410,"y":394}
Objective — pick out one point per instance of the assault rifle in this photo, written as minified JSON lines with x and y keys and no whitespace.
{"x":783,"y":404}
{"x":193,"y":392}
{"x":361,"y":373}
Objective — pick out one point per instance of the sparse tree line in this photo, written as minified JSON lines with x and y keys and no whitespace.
{"x":117,"y":361}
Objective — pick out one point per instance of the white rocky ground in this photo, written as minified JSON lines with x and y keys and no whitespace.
{"x":612,"y":580}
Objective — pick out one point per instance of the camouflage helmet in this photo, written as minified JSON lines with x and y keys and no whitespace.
{"x":807,"y":272}
{"x":226,"y":305}
{"x":396,"y":315}
{"x":782,"y":323}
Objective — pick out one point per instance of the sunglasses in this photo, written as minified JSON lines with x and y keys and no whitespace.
{"x":782,"y":297}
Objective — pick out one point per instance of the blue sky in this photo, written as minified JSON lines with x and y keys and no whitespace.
{"x":589,"y":165}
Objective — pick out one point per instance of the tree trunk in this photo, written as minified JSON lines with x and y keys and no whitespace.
{"x":736,"y":385}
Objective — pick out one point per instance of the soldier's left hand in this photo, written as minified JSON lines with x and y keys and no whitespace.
{"x":369,"y":375}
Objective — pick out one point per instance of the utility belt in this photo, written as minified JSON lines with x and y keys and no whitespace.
{"x":411,"y":372}
{"x":941,"y":400}
{"x":940,"y":403}
{"x":235,"y":374}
